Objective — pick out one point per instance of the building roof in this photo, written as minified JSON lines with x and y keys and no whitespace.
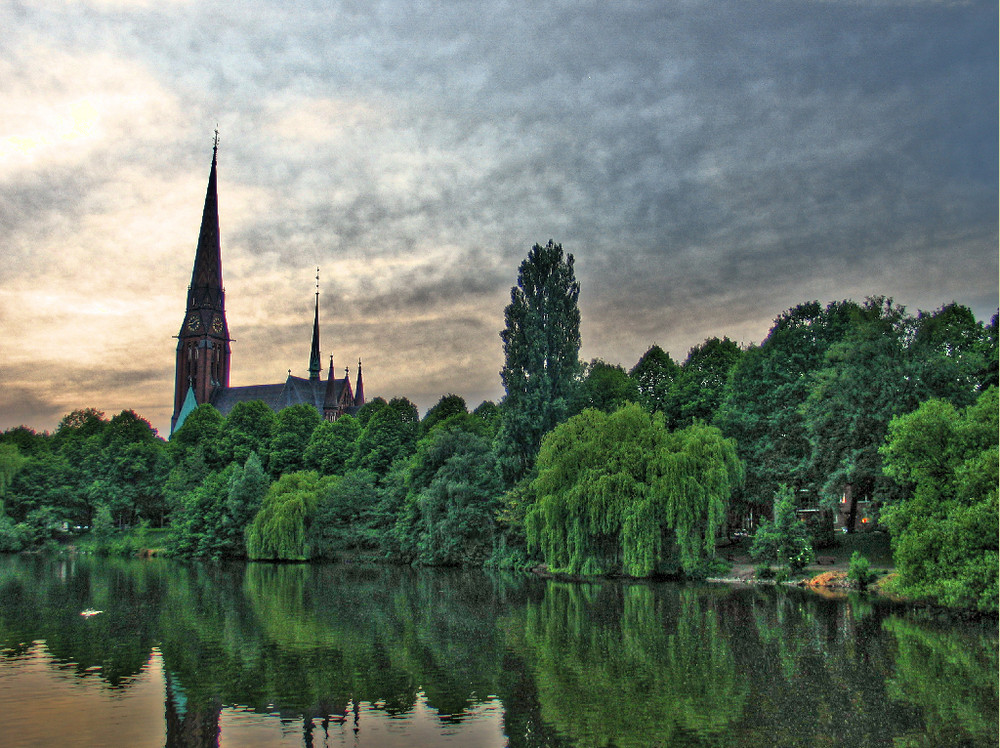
{"x":293,"y":391}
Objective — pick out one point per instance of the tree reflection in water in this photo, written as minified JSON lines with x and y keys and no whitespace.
{"x":330,"y":649}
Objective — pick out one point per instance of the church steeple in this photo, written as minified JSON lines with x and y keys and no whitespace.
{"x":314,"y":364}
{"x":359,"y":391}
{"x":206,"y":278}
{"x":203,"y":341}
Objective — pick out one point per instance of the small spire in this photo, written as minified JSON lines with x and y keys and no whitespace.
{"x":314,"y":357}
{"x":215,"y":143}
{"x":359,"y":390}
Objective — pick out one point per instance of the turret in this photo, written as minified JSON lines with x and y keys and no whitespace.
{"x":359,"y":391}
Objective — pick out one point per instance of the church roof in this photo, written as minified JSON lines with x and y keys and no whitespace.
{"x":293,"y":391}
{"x":189,"y":405}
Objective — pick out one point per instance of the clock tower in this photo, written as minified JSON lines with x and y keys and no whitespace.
{"x":203,"y":341}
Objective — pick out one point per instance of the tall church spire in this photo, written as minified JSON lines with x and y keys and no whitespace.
{"x":314,"y":364}
{"x":203,"y":341}
{"x":206,"y":278}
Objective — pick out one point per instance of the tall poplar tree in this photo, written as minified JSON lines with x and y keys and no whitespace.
{"x":541,"y":345}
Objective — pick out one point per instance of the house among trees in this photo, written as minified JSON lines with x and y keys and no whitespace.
{"x":203,"y":343}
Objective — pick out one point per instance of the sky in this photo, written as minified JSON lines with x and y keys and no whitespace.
{"x":708,"y":165}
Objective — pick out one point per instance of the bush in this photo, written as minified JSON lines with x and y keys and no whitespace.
{"x":785,"y":540}
{"x":13,"y":537}
{"x":859,"y":572}
{"x":764,"y":571}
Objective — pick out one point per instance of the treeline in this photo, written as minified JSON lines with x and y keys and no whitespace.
{"x":587,"y":467}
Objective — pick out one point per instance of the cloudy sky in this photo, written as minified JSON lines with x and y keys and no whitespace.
{"x":709,"y":164}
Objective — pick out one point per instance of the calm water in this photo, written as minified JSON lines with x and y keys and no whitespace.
{"x":197,"y":655}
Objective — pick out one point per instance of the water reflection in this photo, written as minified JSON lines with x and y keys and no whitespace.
{"x":334,"y":655}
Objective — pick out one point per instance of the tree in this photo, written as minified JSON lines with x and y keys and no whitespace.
{"x":697,"y":390}
{"x":202,"y":430}
{"x":331,"y":445}
{"x":604,"y":386}
{"x":248,"y":428}
{"x":197,"y":531}
{"x":280,"y":531}
{"x":292,"y":430}
{"x":541,"y":343}
{"x":389,"y":434}
{"x":768,"y":387}
{"x":783,"y":540}
{"x":653,"y":374}
{"x":81,"y":424}
{"x":11,"y":462}
{"x":216,"y":512}
{"x":952,"y":351}
{"x":620,"y":492}
{"x":488,"y":412}
{"x":868,"y":378}
{"x":453,"y":488}
{"x":247,"y":488}
{"x":344,"y":516}
{"x":448,"y":405}
{"x":944,"y":532}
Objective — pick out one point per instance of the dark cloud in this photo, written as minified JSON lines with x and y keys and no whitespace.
{"x":709,"y":164}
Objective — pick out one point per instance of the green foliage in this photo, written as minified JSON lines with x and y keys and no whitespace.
{"x":81,"y":424}
{"x":248,"y":428}
{"x":448,"y":405}
{"x":369,"y":409}
{"x":511,"y":547}
{"x":11,"y":462}
{"x":14,"y":537}
{"x":953,"y":353}
{"x":293,"y":429}
{"x":763,"y":406}
{"x":389,"y":434}
{"x":619,"y":493}
{"x":944,"y":534}
{"x":343,"y":517}
{"x":89,"y":460}
{"x":331,"y":445}
{"x":195,"y":530}
{"x":653,"y":375}
{"x":699,"y":387}
{"x":541,"y":343}
{"x":785,"y":539}
{"x":605,"y":387}
{"x":214,"y":515}
{"x":453,"y":484}
{"x":280,"y":531}
{"x":489,"y":413}
{"x":200,"y":431}
{"x":763,"y":571}
{"x":859,"y":572}
{"x":247,"y":488}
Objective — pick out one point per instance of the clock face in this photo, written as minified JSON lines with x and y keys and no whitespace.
{"x":217,"y":324}
{"x":193,"y":322}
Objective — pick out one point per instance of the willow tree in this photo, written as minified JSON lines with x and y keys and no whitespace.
{"x":541,"y":344}
{"x":620,"y":493}
{"x":280,"y":531}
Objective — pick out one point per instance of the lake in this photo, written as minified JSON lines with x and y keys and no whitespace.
{"x":155,"y":652}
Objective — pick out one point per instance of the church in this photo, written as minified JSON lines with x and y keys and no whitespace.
{"x":203,"y":343}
